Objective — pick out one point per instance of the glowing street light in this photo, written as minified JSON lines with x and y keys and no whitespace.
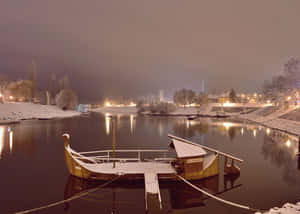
{"x":227,"y":125}
{"x":11,"y":97}
{"x":228,"y":104}
{"x":107,"y":104}
{"x":132,"y":104}
{"x":288,"y":98}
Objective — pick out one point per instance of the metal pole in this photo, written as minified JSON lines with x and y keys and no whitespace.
{"x":113,"y":141}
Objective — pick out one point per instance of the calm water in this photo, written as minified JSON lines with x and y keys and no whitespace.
{"x":33,"y":171}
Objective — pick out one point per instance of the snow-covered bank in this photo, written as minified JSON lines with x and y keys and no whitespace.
{"x":288,"y":208}
{"x":275,"y":118}
{"x":116,"y":110}
{"x":23,"y":111}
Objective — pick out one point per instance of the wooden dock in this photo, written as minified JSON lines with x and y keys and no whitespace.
{"x":152,"y":192}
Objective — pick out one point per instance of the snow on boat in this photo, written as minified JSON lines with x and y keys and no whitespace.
{"x":192,"y":161}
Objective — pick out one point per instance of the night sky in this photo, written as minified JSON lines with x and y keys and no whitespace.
{"x":136,"y":47}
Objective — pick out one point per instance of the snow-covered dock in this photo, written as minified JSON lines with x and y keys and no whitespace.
{"x":152,"y":191}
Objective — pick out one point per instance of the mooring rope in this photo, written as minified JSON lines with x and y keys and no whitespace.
{"x":217,"y":198}
{"x":79,"y":195}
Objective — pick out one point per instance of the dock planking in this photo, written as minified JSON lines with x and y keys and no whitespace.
{"x":152,"y":192}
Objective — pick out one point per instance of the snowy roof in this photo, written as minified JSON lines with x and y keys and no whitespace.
{"x":186,"y":150}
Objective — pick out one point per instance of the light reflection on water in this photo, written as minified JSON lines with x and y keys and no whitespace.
{"x":1,"y":140}
{"x":132,"y":123}
{"x":11,"y":134}
{"x":107,"y":123}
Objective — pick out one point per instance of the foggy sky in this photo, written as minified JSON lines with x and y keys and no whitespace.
{"x":134,"y":47}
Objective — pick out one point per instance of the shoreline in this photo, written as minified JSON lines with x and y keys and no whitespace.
{"x":275,"y":121}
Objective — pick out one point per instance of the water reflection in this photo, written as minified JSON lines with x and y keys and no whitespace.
{"x":1,"y":140}
{"x":242,"y":131}
{"x":107,"y":123}
{"x":189,"y":128}
{"x":21,"y":139}
{"x":281,"y":149}
{"x":11,"y":134}
{"x":132,"y":123}
{"x":129,"y":195}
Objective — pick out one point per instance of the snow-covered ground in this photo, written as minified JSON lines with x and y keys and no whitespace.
{"x":20,"y":111}
{"x":288,"y":208}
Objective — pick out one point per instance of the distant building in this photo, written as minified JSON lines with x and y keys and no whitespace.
{"x":224,"y":97}
{"x":213,"y":98}
{"x":161,"y":95}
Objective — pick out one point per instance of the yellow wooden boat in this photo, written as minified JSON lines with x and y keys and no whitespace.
{"x":190,"y":160}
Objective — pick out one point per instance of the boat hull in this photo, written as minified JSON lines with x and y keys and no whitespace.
{"x":80,"y":171}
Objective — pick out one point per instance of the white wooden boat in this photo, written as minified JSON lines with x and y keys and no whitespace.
{"x":192,"y":161}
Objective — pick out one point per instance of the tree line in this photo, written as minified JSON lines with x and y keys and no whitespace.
{"x":289,"y":79}
{"x":58,"y":93}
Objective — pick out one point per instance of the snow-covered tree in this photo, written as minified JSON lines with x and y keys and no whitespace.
{"x":184,"y":97}
{"x":66,"y":99}
{"x":21,"y":90}
{"x":232,"y":96}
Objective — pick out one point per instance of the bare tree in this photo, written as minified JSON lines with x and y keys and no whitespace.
{"x":32,"y":73}
{"x":292,"y":73}
{"x":54,"y":89}
{"x":64,"y":83}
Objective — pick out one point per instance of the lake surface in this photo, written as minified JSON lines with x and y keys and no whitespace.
{"x":33,"y":171}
